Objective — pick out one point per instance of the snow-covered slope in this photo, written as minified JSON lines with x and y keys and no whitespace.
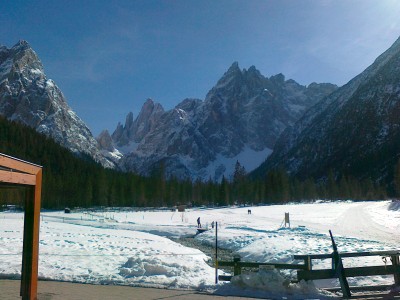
{"x":240,"y":120}
{"x":28,"y":97}
{"x":131,"y":247}
{"x":354,"y":131}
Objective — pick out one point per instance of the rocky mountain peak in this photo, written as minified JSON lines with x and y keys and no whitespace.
{"x":240,"y":119}
{"x":20,"y":59}
{"x":129,"y":120}
{"x":352,"y":132}
{"x":135,"y":130}
{"x":232,"y":75}
{"x":21,"y":46}
{"x":150,"y":108}
{"x":105,"y":141}
{"x":254,"y":72}
{"x":28,"y":97}
{"x":278,"y":78}
{"x":234,"y":68}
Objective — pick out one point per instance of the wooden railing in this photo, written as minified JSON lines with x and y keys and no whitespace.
{"x":305,"y":270}
{"x":238,"y":265}
{"x":309,"y":274}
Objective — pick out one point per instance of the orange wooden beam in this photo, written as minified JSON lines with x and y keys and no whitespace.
{"x":17,"y":178}
{"x":17,"y":164}
{"x":30,"y":256}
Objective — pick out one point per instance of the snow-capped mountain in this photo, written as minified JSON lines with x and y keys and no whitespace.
{"x":240,"y":119}
{"x":28,"y":97}
{"x":354,"y":131}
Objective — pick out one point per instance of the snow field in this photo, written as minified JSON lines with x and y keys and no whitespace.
{"x":132,"y":248}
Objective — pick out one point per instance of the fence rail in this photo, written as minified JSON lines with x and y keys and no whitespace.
{"x":305,"y":271}
{"x":310,"y":274}
{"x":238,"y":265}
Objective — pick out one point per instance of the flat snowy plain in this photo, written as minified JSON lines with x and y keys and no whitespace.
{"x":133,"y":248}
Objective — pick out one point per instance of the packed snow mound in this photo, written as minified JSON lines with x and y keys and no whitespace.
{"x":273,"y":284}
{"x":165,"y":270}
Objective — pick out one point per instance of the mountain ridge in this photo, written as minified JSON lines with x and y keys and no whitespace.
{"x":28,"y":97}
{"x":243,"y":113}
{"x":353,"y":131}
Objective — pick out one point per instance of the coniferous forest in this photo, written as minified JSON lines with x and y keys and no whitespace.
{"x":71,"y":181}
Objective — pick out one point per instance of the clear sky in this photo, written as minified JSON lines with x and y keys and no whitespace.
{"x":108,"y":56}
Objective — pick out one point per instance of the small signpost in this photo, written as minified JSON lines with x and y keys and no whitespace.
{"x":287,"y":220}
{"x":216,"y":252}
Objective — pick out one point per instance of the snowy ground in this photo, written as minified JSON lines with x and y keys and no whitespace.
{"x":132,"y":248}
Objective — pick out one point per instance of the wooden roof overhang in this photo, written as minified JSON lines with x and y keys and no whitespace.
{"x":15,"y":172}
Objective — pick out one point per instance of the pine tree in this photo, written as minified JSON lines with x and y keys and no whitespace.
{"x":397,"y":179}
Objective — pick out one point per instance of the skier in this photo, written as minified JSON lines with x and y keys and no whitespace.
{"x":198,"y":223}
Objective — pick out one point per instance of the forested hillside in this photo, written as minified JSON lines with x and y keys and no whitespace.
{"x":74,"y":181}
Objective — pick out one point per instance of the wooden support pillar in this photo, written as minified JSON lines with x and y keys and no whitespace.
{"x":28,"y":175}
{"x":30,"y":256}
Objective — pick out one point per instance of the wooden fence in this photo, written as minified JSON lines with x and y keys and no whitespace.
{"x":305,"y":270}
{"x":238,"y":265}
{"x":392,"y":269}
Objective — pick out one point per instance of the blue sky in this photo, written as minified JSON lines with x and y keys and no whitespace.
{"x":108,"y":57}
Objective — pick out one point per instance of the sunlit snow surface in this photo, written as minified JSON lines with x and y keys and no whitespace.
{"x":132,"y":248}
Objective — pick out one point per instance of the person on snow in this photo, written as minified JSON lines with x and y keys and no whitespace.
{"x":198,"y":223}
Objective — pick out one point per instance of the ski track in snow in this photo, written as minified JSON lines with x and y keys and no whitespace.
{"x":358,"y":223}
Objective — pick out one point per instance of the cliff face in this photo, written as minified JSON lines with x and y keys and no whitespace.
{"x":354,"y":131}
{"x":240,"y":120}
{"x":27,"y":96}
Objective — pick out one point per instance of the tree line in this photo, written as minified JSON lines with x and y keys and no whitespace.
{"x":71,"y":181}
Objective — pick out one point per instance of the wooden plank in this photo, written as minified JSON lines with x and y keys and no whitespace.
{"x":18,"y":178}
{"x":17,"y":164}
{"x":224,"y":278}
{"x":349,"y":254}
{"x":257,"y":265}
{"x":276,"y":265}
{"x":313,"y":256}
{"x":362,"y":288}
{"x":350,"y":272}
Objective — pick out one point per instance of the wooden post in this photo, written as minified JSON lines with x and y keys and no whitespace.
{"x":28,"y":175}
{"x":30,"y":257}
{"x":237,"y":270}
{"x":308,"y":263}
{"x":216,"y":252}
{"x":396,"y":264}
{"x":340,"y":273}
{"x":287,"y":219}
